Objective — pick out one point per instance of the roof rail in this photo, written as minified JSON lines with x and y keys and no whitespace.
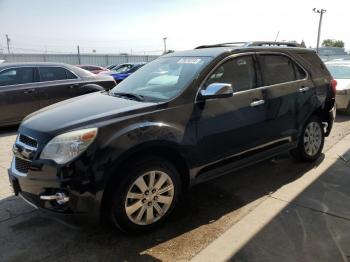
{"x":247,"y":44}
{"x":234,"y":44}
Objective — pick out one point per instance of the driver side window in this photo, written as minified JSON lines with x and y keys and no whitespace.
{"x":239,"y":72}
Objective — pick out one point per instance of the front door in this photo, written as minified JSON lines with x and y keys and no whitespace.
{"x":229,"y":126}
{"x":18,"y":94}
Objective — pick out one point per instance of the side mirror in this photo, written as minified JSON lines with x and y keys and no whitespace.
{"x":217,"y":90}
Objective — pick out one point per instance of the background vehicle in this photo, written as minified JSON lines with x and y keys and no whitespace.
{"x":122,"y":71}
{"x":113,"y":66}
{"x":27,"y":87}
{"x":340,"y":70}
{"x":93,"y":69}
{"x":182,"y":119}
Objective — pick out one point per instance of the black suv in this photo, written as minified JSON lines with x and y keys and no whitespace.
{"x":184,"y":118}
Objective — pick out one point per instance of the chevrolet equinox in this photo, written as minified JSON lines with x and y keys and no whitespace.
{"x":128,"y":154}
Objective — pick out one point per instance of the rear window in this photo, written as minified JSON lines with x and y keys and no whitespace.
{"x":15,"y":76}
{"x":277,"y":69}
{"x":135,"y":68}
{"x":54,"y":74}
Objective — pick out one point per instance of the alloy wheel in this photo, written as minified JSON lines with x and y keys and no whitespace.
{"x":149,"y":197}
{"x":312,"y":138}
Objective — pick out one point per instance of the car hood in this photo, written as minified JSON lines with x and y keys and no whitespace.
{"x":81,"y":111}
{"x":343,"y":84}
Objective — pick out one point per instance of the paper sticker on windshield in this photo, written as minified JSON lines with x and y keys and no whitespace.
{"x":189,"y":61}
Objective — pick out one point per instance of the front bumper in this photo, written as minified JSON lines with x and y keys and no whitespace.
{"x":46,"y":179}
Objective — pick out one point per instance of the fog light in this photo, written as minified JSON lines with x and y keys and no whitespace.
{"x":60,"y":198}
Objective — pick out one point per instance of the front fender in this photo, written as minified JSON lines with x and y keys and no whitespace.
{"x":146,"y":132}
{"x":129,"y":140}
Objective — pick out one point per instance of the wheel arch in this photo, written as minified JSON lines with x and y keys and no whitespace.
{"x":162,"y":149}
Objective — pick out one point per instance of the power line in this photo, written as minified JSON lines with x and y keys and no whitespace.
{"x":76,"y":40}
{"x":39,"y":51}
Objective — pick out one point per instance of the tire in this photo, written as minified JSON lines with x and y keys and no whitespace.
{"x":137,"y":205}
{"x":311,"y":141}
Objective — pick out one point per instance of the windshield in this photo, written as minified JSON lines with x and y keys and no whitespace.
{"x":122,"y":69}
{"x":163,"y":78}
{"x":340,"y":71}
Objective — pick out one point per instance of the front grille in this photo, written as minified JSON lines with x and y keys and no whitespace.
{"x":22,"y":165}
{"x":28,"y":141}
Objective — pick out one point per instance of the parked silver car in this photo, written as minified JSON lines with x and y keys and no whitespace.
{"x":340,"y":70}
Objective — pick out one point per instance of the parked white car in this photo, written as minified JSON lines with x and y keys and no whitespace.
{"x":340,"y":70}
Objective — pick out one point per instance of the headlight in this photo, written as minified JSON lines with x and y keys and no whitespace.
{"x":67,"y":146}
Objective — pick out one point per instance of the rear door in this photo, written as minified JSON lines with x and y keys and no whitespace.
{"x":230,"y":126}
{"x":57,"y":84}
{"x":18,"y":94}
{"x":288,"y":93}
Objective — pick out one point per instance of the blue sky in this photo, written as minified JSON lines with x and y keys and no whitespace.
{"x":139,"y":26}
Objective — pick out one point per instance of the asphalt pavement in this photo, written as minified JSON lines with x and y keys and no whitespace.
{"x":318,"y":216}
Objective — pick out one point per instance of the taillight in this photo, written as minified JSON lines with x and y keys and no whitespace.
{"x":334,"y":87}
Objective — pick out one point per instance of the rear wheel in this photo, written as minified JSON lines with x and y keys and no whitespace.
{"x":146,"y":196}
{"x":311,"y":141}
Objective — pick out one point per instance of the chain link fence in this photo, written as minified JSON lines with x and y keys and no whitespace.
{"x":75,"y":59}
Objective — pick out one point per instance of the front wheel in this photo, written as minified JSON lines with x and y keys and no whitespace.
{"x":311,"y":141}
{"x":145,"y":196}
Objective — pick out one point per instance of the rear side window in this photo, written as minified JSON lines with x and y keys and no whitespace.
{"x":239,"y":72}
{"x":55,"y":73}
{"x":277,"y":69}
{"x":314,"y":64}
{"x":15,"y":76}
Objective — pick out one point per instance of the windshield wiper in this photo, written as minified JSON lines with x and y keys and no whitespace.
{"x":129,"y":95}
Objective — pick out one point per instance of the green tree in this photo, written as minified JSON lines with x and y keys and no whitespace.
{"x":333,"y":43}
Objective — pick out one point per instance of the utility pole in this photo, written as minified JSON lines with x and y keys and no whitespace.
{"x":321,"y":12}
{"x":164,"y":39}
{"x":278,"y":33}
{"x":8,"y":43}
{"x":78,"y":54}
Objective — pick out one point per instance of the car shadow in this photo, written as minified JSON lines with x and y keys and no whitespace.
{"x":341,"y":117}
{"x":8,"y":131}
{"x":314,"y":226}
{"x":213,"y":203}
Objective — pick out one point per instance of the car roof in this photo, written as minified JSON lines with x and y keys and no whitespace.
{"x":77,"y":70}
{"x":339,"y":62}
{"x":137,"y":63}
{"x":217,"y":51}
{"x":12,"y":64}
{"x":89,"y":65}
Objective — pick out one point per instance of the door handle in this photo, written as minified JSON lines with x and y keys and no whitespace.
{"x":73,"y":86}
{"x":28,"y":91}
{"x":257,"y":103}
{"x":304,"y":89}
